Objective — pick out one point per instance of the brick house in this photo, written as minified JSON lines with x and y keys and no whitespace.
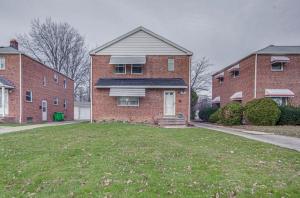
{"x":31,"y":91}
{"x":272,"y":72}
{"x":140,"y":77}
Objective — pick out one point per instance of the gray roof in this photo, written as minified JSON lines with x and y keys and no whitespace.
{"x":141,"y":82}
{"x":272,"y":49}
{"x":6,"y":83}
{"x":9,"y":50}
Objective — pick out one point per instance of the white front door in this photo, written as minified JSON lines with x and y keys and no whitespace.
{"x":3,"y":102}
{"x":44,"y":110}
{"x":169,"y":100}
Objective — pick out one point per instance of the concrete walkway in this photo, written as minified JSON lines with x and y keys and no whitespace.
{"x":278,"y":140}
{"x":8,"y":129}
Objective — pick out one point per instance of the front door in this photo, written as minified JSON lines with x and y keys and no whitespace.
{"x":169,"y":106}
{"x":3,"y":102}
{"x":44,"y":110}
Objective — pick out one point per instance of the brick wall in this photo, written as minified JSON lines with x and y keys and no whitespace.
{"x":151,"y":106}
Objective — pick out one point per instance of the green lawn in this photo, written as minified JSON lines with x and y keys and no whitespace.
{"x":123,"y":160}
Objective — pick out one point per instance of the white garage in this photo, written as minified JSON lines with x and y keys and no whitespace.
{"x":82,"y":110}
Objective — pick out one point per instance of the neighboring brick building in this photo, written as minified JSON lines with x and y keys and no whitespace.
{"x":31,"y":91}
{"x":271,"y":72}
{"x":140,"y":77}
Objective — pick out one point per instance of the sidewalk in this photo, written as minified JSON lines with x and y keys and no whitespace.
{"x":7,"y":129}
{"x":278,"y":140}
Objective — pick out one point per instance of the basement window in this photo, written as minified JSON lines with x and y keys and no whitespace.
{"x":128,"y":101}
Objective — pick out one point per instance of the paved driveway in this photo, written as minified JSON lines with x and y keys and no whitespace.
{"x":7,"y":129}
{"x":279,"y":140}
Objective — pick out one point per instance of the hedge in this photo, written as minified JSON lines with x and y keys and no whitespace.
{"x":231,"y":114}
{"x":289,"y":115}
{"x":262,"y":111}
{"x":215,"y":117}
{"x":206,"y":112}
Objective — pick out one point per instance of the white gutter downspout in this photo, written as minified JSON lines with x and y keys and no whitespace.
{"x":91,"y":88}
{"x":189,"y":87}
{"x":20,"y":79}
{"x":255,"y":75}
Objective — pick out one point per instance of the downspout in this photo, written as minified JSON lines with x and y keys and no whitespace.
{"x":91,"y":88}
{"x":189,"y":107}
{"x":20,"y":97}
{"x":255,"y":75}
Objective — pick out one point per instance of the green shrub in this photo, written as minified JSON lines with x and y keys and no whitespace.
{"x":231,"y":114}
{"x":205,"y":113}
{"x":262,"y":111}
{"x":215,"y":117}
{"x":289,"y":115}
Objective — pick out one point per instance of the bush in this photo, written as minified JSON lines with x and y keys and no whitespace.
{"x":215,"y":117}
{"x":231,"y":114}
{"x":289,"y":115}
{"x":262,"y":111}
{"x":205,"y":113}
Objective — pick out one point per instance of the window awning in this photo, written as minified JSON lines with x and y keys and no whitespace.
{"x":127,"y":60}
{"x":279,"y":93}
{"x":237,"y":96}
{"x":279,"y":59}
{"x":139,"y":92}
{"x":234,"y":68}
{"x":216,"y":99}
{"x":6,"y":83}
{"x":220,"y":75}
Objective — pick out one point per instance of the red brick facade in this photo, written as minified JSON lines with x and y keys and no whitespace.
{"x":32,"y":76}
{"x":289,"y":78}
{"x":151,"y":107}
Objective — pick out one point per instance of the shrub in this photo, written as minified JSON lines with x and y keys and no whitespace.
{"x":289,"y":115}
{"x":262,"y":111}
{"x":231,"y":114}
{"x":215,"y":117}
{"x":205,"y":113}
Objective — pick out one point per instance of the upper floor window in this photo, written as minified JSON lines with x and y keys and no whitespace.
{"x":55,"y":77}
{"x":65,"y":83}
{"x":120,"y":69}
{"x":136,"y":69}
{"x":28,"y":96}
{"x":55,"y":101}
{"x":235,"y":73}
{"x":277,"y":66}
{"x":171,"y":64}
{"x":44,"y":81}
{"x":2,"y":63}
{"x":221,"y":80}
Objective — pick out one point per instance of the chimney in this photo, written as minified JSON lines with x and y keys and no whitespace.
{"x":14,"y":44}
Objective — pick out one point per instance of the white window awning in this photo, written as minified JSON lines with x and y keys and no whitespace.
{"x":237,"y":96}
{"x":279,"y":59}
{"x":220,"y":75}
{"x":138,"y":92}
{"x":127,"y":60}
{"x":279,"y":93}
{"x":234,"y":68}
{"x":216,"y":99}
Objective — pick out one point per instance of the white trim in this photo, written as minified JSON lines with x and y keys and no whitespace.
{"x":21,"y":98}
{"x":189,"y":102}
{"x":138,"y":101}
{"x":31,"y":99}
{"x":174,"y":95}
{"x":255,"y":75}
{"x":91,"y":88}
{"x":148,"y":86}
{"x":280,"y":70}
{"x":115,"y":65}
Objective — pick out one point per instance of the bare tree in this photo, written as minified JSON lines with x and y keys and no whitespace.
{"x":59,"y":46}
{"x":200,"y":78}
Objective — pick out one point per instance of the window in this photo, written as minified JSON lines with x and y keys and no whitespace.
{"x":55,"y":78}
{"x":171,"y":64}
{"x":136,"y":69}
{"x":128,"y":101}
{"x":2,"y":63}
{"x":65,"y":83}
{"x":120,"y":69}
{"x":281,"y":101}
{"x":55,"y":101}
{"x":65,"y":104}
{"x":277,"y":66}
{"x":221,"y":80}
{"x":28,"y":96}
{"x":44,"y":81}
{"x":235,"y":73}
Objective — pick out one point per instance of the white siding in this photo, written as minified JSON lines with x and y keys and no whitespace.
{"x":141,"y":43}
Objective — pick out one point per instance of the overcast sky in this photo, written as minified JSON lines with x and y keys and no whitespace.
{"x":223,"y":31}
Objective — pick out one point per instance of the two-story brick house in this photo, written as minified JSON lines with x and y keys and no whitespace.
{"x":140,"y":77}
{"x":272,"y":72}
{"x":31,"y":91}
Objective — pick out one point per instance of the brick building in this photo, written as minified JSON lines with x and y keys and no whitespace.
{"x":31,"y":91}
{"x":272,"y":72}
{"x":140,"y":77}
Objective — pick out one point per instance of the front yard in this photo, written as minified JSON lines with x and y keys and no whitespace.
{"x":123,"y":160}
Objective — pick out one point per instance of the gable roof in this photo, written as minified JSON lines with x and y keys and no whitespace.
{"x":9,"y":50}
{"x":140,"y":28}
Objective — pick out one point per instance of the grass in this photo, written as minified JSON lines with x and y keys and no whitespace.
{"x":123,"y":160}
{"x":293,"y":131}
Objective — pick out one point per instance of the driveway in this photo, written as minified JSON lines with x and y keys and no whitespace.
{"x":8,"y":129}
{"x":278,"y":140}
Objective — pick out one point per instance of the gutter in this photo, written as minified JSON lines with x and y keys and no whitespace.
{"x":21,"y":84}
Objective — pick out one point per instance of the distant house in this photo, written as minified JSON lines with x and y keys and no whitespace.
{"x":272,"y":72}
{"x":140,"y":77}
{"x":31,"y":91}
